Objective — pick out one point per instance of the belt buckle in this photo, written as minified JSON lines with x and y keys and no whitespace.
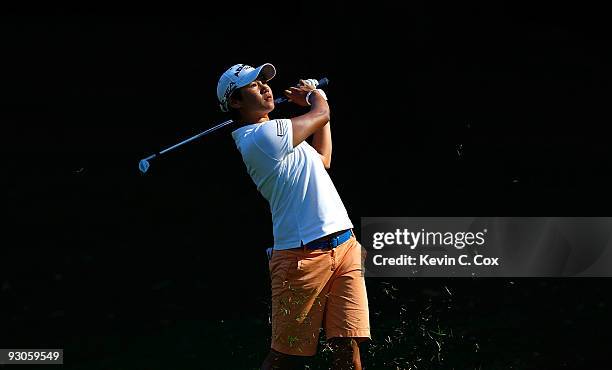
{"x":334,"y":241}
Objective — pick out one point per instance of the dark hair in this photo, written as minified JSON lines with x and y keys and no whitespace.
{"x":234,"y":113}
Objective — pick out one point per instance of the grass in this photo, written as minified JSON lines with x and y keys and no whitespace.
{"x":435,"y":327}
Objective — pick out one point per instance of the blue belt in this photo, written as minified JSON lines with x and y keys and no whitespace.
{"x":330,"y":242}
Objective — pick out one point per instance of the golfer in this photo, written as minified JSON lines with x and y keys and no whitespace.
{"x":316,"y":263}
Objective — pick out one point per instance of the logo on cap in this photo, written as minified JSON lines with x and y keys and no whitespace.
{"x":237,"y":73}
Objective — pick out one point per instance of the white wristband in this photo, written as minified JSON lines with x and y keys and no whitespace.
{"x":317,"y":90}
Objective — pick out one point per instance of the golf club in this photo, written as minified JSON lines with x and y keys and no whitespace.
{"x":144,"y":164}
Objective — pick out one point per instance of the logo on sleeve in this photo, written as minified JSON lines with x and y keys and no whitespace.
{"x":281,"y":129}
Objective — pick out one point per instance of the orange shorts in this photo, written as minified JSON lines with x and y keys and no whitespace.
{"x":317,"y":288}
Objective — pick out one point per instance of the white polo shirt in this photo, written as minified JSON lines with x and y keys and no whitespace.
{"x":303,"y":200}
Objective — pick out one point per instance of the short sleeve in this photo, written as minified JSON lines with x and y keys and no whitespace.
{"x":275,"y":138}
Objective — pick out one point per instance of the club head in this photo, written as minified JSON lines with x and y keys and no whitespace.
{"x":143,"y":165}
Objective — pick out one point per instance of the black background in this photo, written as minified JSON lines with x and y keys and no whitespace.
{"x":437,"y":110}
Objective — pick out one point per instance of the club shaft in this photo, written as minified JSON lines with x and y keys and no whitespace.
{"x":229,"y":121}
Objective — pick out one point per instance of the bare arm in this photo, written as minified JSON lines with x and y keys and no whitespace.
{"x":322,"y":143}
{"x":311,"y":122}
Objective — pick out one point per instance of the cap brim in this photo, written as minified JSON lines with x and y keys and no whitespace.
{"x":267,"y":71}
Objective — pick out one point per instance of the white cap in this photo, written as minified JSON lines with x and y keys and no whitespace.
{"x":239,"y":76}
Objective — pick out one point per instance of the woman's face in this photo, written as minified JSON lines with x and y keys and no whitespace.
{"x":256,"y":98}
